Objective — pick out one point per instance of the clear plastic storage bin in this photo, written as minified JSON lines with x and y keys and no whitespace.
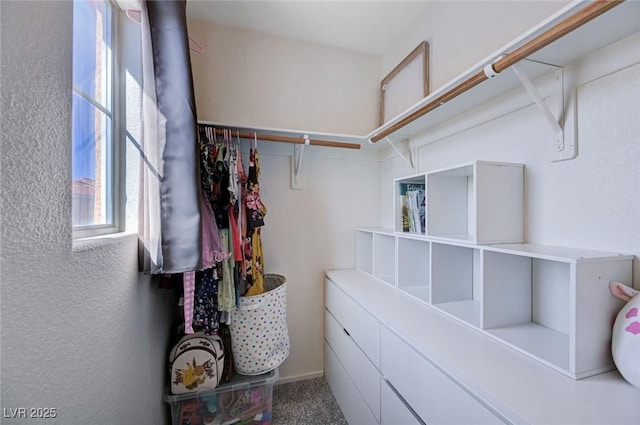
{"x":245,"y":400}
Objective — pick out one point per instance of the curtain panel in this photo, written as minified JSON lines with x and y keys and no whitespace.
{"x":169,"y":209}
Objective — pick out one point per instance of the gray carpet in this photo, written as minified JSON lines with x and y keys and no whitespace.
{"x":308,"y":402}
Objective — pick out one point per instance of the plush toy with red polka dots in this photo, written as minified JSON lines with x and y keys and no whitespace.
{"x":625,"y":344}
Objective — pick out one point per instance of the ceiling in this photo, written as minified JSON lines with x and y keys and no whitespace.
{"x":365,"y":26}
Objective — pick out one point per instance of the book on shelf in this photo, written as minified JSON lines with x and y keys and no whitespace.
{"x":412,"y":207}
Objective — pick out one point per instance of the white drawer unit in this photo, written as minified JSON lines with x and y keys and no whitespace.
{"x":439,"y":370}
{"x":432,"y":394}
{"x":361,"y":326}
{"x":394,"y":409}
{"x":351,"y":403}
{"x":352,"y":338}
{"x":363,"y":374}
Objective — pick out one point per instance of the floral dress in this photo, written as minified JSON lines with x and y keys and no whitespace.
{"x":256,"y":211}
{"x":205,"y":312}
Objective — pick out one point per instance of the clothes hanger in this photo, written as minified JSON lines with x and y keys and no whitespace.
{"x":134,"y":15}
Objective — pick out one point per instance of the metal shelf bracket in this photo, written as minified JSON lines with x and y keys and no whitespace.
{"x":297,"y":181}
{"x":564,"y":146}
{"x":407,"y":158}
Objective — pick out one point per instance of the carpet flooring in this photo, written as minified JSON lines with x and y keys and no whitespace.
{"x":307,"y":402}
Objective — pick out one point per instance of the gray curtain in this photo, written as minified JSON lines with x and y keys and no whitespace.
{"x":169,"y":210}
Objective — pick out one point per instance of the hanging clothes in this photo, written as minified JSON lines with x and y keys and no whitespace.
{"x":226,"y":289}
{"x":232,"y":221}
{"x":207,"y":161}
{"x":257,"y":268}
{"x":241,"y":265}
{"x":234,"y":178}
{"x":205,"y":311}
{"x":213,"y":251}
{"x":189,"y":286}
{"x":256,"y":211}
{"x":200,"y":289}
{"x":212,"y":254}
{"x":220,"y":180}
{"x":235,"y":195}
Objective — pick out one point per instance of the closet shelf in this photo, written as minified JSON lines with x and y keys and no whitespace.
{"x":299,"y":137}
{"x":580,"y":28}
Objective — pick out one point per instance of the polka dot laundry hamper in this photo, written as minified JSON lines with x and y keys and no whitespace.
{"x":259,"y":333}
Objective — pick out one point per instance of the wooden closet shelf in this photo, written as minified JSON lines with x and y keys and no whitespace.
{"x":273,"y":135}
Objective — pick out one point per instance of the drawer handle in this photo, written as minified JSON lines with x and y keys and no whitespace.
{"x":345,"y":331}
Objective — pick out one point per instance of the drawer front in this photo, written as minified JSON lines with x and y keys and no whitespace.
{"x":362,"y":326}
{"x":431,"y":394}
{"x":394,"y":410}
{"x":354,"y":408}
{"x":362,"y":372}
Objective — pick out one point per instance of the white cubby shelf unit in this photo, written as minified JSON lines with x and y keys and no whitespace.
{"x":479,"y":202}
{"x":550,"y":303}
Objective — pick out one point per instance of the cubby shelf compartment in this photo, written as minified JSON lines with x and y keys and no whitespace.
{"x":480,"y":202}
{"x":384,"y":257}
{"x":401,"y":211}
{"x":553,"y":303}
{"x":413,"y":267}
{"x":364,"y":250}
{"x":527,"y":305}
{"x":376,"y":253}
{"x":456,"y":282}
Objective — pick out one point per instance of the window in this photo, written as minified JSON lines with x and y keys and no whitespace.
{"x":95,"y":155}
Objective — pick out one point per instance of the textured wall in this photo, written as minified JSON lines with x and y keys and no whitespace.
{"x":81,"y":331}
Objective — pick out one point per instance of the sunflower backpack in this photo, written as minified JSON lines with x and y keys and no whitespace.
{"x":196,"y":363}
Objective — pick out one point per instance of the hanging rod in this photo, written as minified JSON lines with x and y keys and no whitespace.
{"x":285,"y":139}
{"x":573,"y":22}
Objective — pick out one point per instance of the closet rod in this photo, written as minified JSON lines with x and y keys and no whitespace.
{"x":573,"y":22}
{"x":286,"y":139}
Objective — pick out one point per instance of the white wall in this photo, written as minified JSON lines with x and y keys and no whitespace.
{"x":81,"y":331}
{"x":254,"y":79}
{"x":462,"y":33}
{"x":590,"y":202}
